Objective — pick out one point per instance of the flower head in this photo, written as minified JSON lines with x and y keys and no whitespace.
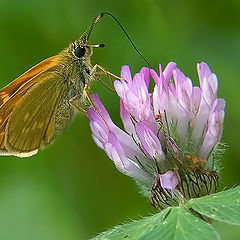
{"x":170,"y":135}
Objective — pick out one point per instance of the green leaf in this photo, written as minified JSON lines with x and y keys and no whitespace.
{"x":134,"y":229}
{"x":223,"y":206}
{"x":173,"y":223}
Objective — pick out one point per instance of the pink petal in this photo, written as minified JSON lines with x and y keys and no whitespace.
{"x":126,"y":119}
{"x":102,"y":110}
{"x":203,"y":71}
{"x":98,"y":128}
{"x":208,"y":82}
{"x":119,"y":88}
{"x":214,"y":128}
{"x":145,"y":72}
{"x":169,"y":180}
{"x":115,"y":152}
{"x":155,"y":77}
{"x":139,"y":86}
{"x":168,"y":71}
{"x":126,"y":73}
{"x":197,"y":95}
{"x":149,"y":141}
{"x":200,"y":122}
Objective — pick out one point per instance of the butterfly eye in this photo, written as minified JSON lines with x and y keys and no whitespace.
{"x":79,"y":51}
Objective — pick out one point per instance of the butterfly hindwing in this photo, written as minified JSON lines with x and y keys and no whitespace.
{"x":27,"y":124}
{"x":12,"y":94}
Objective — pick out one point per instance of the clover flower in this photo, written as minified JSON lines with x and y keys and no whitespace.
{"x":171,"y":135}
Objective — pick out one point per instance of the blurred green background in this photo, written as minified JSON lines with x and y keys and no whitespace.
{"x":72,"y":190}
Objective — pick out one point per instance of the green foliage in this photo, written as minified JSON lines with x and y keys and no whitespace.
{"x":223,"y":206}
{"x":182,"y":222}
{"x":172,"y":223}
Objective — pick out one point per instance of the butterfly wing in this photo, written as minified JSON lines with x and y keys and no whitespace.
{"x":7,"y":92}
{"x":6,"y":110}
{"x":28,"y":124}
{"x":29,"y":111}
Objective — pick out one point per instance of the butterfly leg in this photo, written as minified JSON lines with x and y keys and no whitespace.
{"x":98,"y":77}
{"x":74,"y":103}
{"x":105,"y":72}
{"x":86,"y":90}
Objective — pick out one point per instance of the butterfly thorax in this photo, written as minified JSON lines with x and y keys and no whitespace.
{"x":76,"y":70}
{"x":76,"y":74}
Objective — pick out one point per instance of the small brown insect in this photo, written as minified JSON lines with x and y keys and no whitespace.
{"x":37,"y":106}
{"x":196,"y":159}
{"x":158,"y":117}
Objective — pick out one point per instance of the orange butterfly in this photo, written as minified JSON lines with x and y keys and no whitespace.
{"x":36,"y":107}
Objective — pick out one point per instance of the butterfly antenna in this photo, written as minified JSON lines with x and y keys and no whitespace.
{"x":98,"y":18}
{"x":95,"y":21}
{"x":87,"y":33}
{"x":128,"y":37}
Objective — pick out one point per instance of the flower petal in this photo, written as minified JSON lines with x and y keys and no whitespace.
{"x":149,"y":142}
{"x":199,"y":122}
{"x":98,"y":142}
{"x":168,"y":71}
{"x":98,"y":128}
{"x":145,"y":72}
{"x":208,"y":82}
{"x":119,"y":88}
{"x":115,"y":152}
{"x":126,"y":119}
{"x":102,"y":110}
{"x":184,"y":89}
{"x":169,"y":180}
{"x":214,"y":128}
{"x":126,"y":73}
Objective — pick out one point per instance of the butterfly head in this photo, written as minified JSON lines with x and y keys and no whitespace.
{"x":81,"y":49}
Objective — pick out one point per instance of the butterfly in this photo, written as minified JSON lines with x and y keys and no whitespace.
{"x":37,"y":106}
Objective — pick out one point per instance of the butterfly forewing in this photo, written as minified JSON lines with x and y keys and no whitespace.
{"x":7,"y":92}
